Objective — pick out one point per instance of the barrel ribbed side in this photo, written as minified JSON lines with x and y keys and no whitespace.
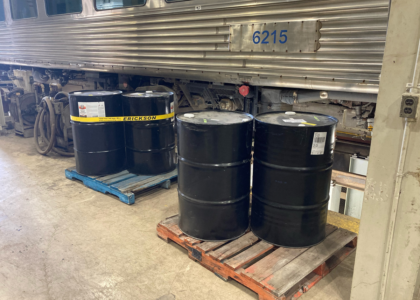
{"x":98,"y":146}
{"x":291,"y":184}
{"x":150,"y":145}
{"x":214,"y":178}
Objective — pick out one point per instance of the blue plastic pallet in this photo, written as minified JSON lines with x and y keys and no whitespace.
{"x":123,"y":184}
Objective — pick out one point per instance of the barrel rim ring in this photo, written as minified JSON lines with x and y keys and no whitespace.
{"x":227,"y":240}
{"x":96,"y":123}
{"x":292,"y":207}
{"x":96,"y":152}
{"x":221,"y":111}
{"x":149,"y":124}
{"x":213,"y":202}
{"x":131,"y":95}
{"x":167,"y":149}
{"x":300,"y":112}
{"x":326,"y":167}
{"x":119,"y":92}
{"x":223,"y":165}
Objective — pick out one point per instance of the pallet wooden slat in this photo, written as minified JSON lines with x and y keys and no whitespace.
{"x":116,"y":179}
{"x":191,"y":240}
{"x":175,"y":229}
{"x":149,"y":183}
{"x":284,"y":274}
{"x":126,"y":185}
{"x":277,"y":260}
{"x":234,"y":247}
{"x":302,"y":286}
{"x":248,"y":255}
{"x":130,"y":183}
{"x":172,"y":225}
{"x":300,"y":267}
{"x":209,"y":246}
{"x":107,"y":177}
{"x":272,"y":263}
{"x":144,"y":182}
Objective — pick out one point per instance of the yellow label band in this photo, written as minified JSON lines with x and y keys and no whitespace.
{"x":122,"y":119}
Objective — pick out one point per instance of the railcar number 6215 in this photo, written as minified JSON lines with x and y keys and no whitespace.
{"x":292,"y":37}
{"x":257,"y":39}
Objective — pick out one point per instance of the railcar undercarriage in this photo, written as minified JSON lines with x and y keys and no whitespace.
{"x":22,"y":88}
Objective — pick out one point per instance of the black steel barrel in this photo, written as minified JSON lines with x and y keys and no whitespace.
{"x":214,"y":150}
{"x":98,"y":145}
{"x":293,"y":157}
{"x":149,"y":132}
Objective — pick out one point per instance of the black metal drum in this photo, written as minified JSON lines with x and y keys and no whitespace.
{"x":98,"y":146}
{"x":149,"y":132}
{"x":214,"y":151}
{"x":293,"y":157}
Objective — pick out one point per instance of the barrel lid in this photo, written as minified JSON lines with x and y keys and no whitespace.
{"x":96,"y":93}
{"x":213,"y":117}
{"x":298,"y":119}
{"x":148,"y":94}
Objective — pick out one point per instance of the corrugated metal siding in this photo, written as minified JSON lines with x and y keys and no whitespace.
{"x":197,"y":44}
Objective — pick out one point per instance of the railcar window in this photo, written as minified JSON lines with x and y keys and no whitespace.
{"x":2,"y":18}
{"x":23,"y":9}
{"x":111,"y":4}
{"x":59,"y":7}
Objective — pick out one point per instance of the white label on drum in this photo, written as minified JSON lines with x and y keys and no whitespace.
{"x":318,"y":144}
{"x":91,"y":109}
{"x":172,"y":110}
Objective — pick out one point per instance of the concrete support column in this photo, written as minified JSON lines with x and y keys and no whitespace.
{"x":388,"y":254}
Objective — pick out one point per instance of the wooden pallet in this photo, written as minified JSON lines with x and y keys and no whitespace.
{"x":124,"y":185}
{"x":274,"y":273}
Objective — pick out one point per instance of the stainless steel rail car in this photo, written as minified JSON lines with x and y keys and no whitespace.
{"x":322,"y":56}
{"x":196,"y":40}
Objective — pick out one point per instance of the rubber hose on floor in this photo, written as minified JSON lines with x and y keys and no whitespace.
{"x":47,"y":118}
{"x":59,"y":96}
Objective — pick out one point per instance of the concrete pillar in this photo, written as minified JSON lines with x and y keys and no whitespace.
{"x":388,"y":254}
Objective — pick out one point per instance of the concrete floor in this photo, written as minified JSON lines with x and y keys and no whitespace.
{"x":61,"y":240}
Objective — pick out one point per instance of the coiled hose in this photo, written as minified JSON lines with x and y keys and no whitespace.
{"x":47,"y":125}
